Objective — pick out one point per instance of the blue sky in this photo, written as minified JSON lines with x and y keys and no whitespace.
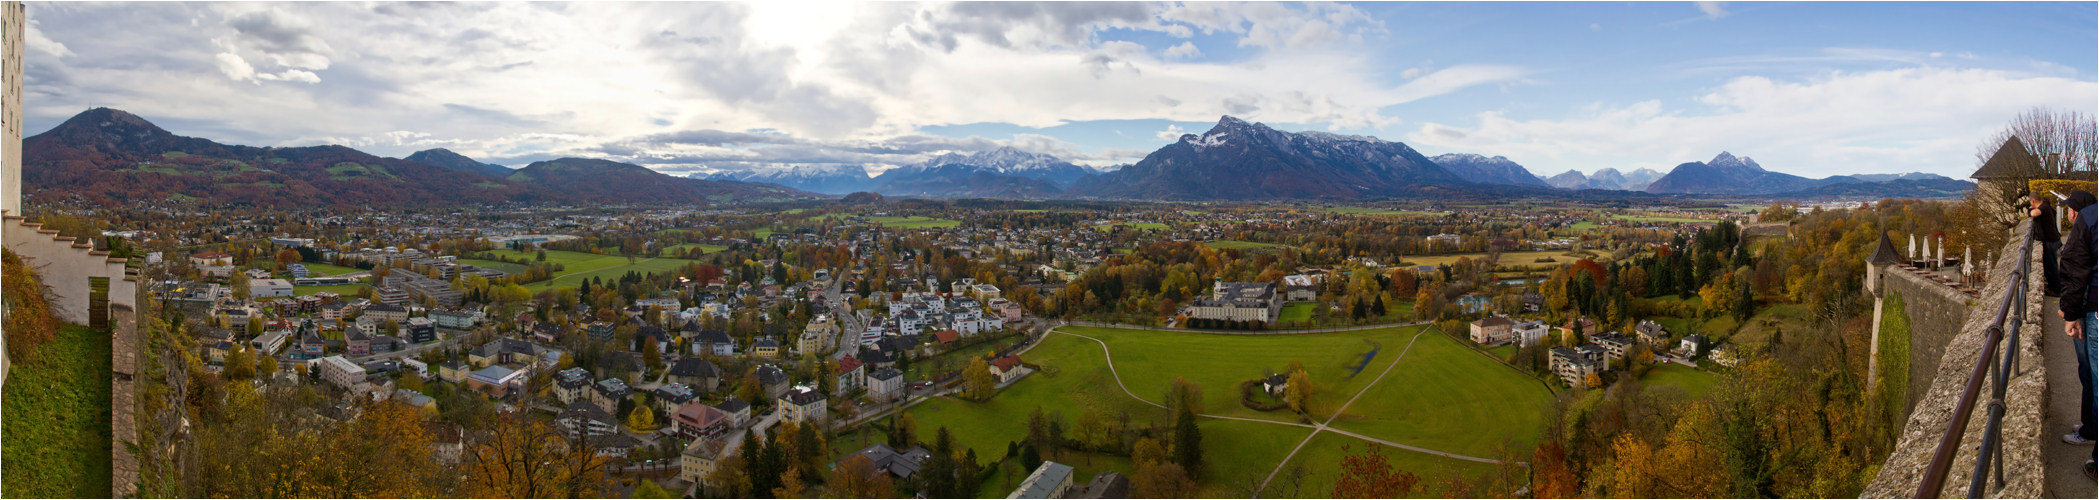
{"x":1806,"y":88}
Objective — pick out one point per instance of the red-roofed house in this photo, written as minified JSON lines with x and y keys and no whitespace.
{"x":210,"y":259}
{"x":852,"y":375}
{"x":946,"y":336}
{"x":697,"y":419}
{"x":1006,"y":368}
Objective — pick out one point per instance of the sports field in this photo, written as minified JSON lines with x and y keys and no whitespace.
{"x":578,"y":266}
{"x":1381,"y":211}
{"x":1657,"y":218}
{"x":1140,"y":226}
{"x":1439,"y":395}
{"x":1240,"y":245}
{"x":704,"y":248}
{"x":341,"y":290}
{"x":318,"y":269}
{"x":1507,"y":258}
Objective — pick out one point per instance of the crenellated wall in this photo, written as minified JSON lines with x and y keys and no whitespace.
{"x":1936,"y":314}
{"x":1941,"y":360}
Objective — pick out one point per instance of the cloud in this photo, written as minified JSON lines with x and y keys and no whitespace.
{"x":36,"y":40}
{"x":1185,"y":50}
{"x":1172,"y":133}
{"x":236,"y":68}
{"x":1899,"y":120}
{"x":1713,"y":10}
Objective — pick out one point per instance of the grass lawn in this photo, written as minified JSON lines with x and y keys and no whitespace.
{"x":578,"y":266}
{"x":328,"y":269}
{"x":1150,"y":360}
{"x":1444,"y":396}
{"x":1503,"y":352}
{"x":1322,"y":458}
{"x":1584,"y":226}
{"x":56,"y":431}
{"x":1140,"y":226}
{"x":1507,"y":258}
{"x":1771,"y":320}
{"x":1240,"y":245}
{"x":342,"y":290}
{"x":913,"y":222}
{"x":1694,"y":383}
{"x":1075,"y":377}
{"x":951,"y":360}
{"x":1380,"y":211}
{"x":704,"y":248}
{"x":490,"y":264}
{"x":1655,"y":218}
{"x":1298,"y":312}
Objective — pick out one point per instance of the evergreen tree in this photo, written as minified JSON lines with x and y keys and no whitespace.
{"x":1188,"y":443}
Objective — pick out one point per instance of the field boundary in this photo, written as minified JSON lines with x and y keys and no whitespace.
{"x":1300,"y":331}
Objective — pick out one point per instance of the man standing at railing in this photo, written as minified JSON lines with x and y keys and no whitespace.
{"x":2041,"y":207}
{"x":2079,"y":320}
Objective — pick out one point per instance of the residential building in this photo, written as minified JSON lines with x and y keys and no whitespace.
{"x":851,"y":375}
{"x":1573,"y":366}
{"x":696,"y":420}
{"x":422,"y":330}
{"x":899,"y":465}
{"x":1615,"y":345}
{"x":739,"y":412}
{"x":699,"y":458}
{"x":1493,"y":330}
{"x":341,"y":372}
{"x":773,"y":380}
{"x":1006,"y":368}
{"x":805,"y":404}
{"x":1691,"y":347}
{"x":699,"y":373}
{"x":453,"y":371}
{"x":1530,"y":333}
{"x":1652,"y":333}
{"x":885,"y":385}
{"x":600,"y":331}
{"x":766,"y":349}
{"x":713,"y":342}
{"x":1300,"y":288}
{"x":608,"y":393}
{"x":1051,"y":480}
{"x":673,"y":395}
{"x":454,"y":319}
{"x":384,"y":311}
{"x":582,"y":418}
{"x":572,"y":384}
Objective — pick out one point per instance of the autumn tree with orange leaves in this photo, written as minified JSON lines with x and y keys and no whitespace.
{"x":1370,"y":475}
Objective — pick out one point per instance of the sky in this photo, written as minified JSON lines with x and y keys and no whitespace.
{"x":1812,"y":89}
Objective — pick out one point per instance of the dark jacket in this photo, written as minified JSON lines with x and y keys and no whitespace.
{"x":2077,"y":261}
{"x":2044,"y":227}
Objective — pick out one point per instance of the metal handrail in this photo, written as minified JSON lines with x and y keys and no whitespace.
{"x":1985,"y":361}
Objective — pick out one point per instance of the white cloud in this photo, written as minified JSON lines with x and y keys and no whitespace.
{"x":37,"y":41}
{"x":1713,"y":10}
{"x":1914,"y":119}
{"x":1172,"y":133}
{"x":1183,"y":51}
{"x":236,"y":68}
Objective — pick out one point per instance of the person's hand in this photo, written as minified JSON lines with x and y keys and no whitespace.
{"x":2074,"y":328}
{"x":2034,"y":213}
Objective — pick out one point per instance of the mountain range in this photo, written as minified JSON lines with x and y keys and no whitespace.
{"x":1237,"y":160}
{"x":446,"y":158}
{"x":1607,"y":178}
{"x":108,"y":155}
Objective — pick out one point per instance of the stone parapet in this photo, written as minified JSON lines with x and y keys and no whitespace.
{"x":1933,"y":410}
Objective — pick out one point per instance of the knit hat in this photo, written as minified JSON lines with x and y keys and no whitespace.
{"x":2079,"y":199}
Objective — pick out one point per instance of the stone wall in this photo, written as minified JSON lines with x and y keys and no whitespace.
{"x":1932,"y":409}
{"x":1936,"y":313}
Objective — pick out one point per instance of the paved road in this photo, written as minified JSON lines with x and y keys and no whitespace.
{"x":849,"y":328}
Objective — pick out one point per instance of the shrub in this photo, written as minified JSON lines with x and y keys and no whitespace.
{"x":29,"y":320}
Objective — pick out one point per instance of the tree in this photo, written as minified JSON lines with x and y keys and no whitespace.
{"x":1592,"y":381}
{"x":1188,"y":443}
{"x":729,"y":480}
{"x":1298,"y":391}
{"x":409,"y":380}
{"x":642,"y":419}
{"x":977,"y":382}
{"x":1369,"y":475}
{"x":1148,"y":451}
{"x":1164,"y":481}
{"x":1182,"y":394}
{"x":287,"y":257}
{"x":649,"y":489}
{"x":240,"y":364}
{"x":791,"y":485}
{"x":2062,"y":141}
{"x":518,"y":457}
{"x":857,"y":477}
{"x":269,"y":365}
{"x":1633,"y":469}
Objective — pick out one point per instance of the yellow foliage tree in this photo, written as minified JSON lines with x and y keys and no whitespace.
{"x":977,"y":382}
